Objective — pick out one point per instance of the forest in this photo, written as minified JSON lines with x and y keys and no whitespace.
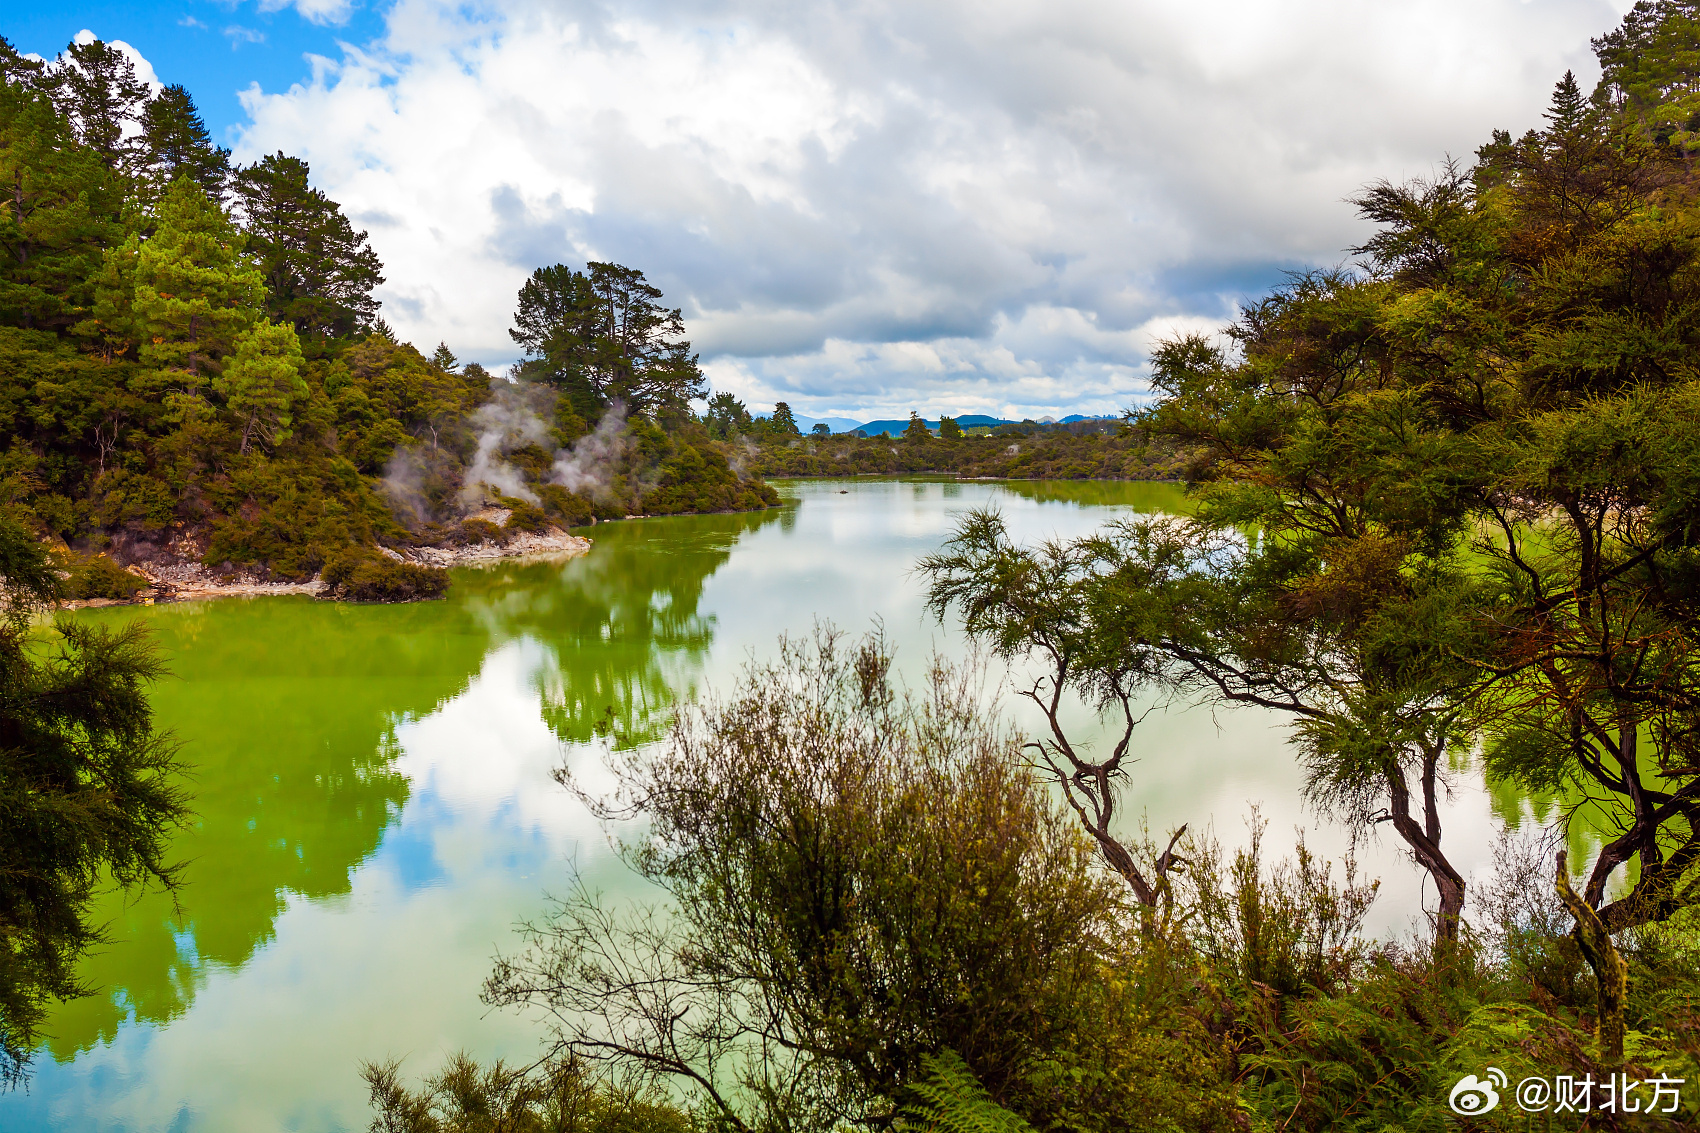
{"x":193,"y":368}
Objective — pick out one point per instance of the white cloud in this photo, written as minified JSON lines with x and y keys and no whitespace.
{"x":144,"y":69}
{"x":314,"y":11}
{"x":867,"y":207}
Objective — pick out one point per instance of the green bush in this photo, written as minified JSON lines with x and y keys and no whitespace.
{"x":96,"y":576}
{"x":365,"y":574}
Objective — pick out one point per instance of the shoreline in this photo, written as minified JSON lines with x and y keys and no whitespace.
{"x":189,"y":580}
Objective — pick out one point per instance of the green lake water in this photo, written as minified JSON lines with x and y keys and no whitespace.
{"x":375,"y":812}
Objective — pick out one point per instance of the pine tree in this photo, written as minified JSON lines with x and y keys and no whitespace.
{"x":96,"y":87}
{"x":186,"y":294}
{"x":917,"y":428}
{"x":600,"y":337}
{"x":783,"y":422}
{"x":262,"y":382}
{"x":177,"y":143}
{"x":1569,"y":111}
{"x":319,"y":272}
{"x":59,"y":211}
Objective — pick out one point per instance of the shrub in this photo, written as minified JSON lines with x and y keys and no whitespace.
{"x":365,"y":574}
{"x":97,"y":576}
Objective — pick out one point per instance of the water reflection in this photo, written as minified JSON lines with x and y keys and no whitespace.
{"x":289,"y":709}
{"x":286,"y":709}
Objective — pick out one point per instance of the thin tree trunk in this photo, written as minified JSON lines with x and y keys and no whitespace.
{"x":1611,"y":972}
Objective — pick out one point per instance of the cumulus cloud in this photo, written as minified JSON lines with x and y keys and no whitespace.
{"x":866,"y":207}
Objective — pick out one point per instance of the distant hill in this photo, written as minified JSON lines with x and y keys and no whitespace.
{"x":895,"y":426}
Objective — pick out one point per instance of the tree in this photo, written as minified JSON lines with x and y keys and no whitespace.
{"x":857,"y":879}
{"x":726,"y":416}
{"x":89,"y":788}
{"x":783,"y":423}
{"x":319,"y":272}
{"x":821,"y":429}
{"x":262,"y":381}
{"x":95,"y":86}
{"x":949,"y":429}
{"x":1649,"y":65}
{"x":182,"y":297}
{"x":58,"y":215}
{"x":916,"y":429}
{"x":177,"y":144}
{"x":600,"y":337}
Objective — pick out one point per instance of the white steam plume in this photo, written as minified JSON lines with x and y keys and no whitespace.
{"x":504,"y":422}
{"x":588,"y":467}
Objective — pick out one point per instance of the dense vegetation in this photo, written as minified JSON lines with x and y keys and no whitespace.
{"x":193,"y":369}
{"x":1446,"y":519}
{"x":1090,"y":450}
{"x":88,"y":790}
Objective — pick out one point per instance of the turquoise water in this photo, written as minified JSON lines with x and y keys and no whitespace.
{"x":375,"y":810}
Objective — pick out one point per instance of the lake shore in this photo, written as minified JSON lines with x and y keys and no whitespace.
{"x":180,"y":576}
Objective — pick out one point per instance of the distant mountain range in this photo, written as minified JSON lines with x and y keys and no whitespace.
{"x":892,"y":428}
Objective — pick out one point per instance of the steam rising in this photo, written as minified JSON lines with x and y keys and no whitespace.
{"x":588,"y":466}
{"x":504,"y":422}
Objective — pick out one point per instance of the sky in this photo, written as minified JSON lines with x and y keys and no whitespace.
{"x":862,"y":207}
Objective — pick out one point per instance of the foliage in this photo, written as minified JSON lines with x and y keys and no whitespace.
{"x":556,"y":1097}
{"x":364,"y":575}
{"x":97,"y":576}
{"x":858,"y":877}
{"x":947,"y":1098}
{"x":1069,"y":452}
{"x":601,"y":338}
{"x":192,"y":364}
{"x":87,"y":786}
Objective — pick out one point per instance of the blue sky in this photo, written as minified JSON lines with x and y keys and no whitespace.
{"x":862,"y":207}
{"x":214,"y":49}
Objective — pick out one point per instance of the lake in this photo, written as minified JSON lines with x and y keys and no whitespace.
{"x":375,"y":812}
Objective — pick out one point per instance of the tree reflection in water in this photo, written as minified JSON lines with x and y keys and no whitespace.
{"x":287,"y":709}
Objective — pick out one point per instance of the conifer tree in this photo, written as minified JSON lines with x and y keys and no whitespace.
{"x":96,"y":87}
{"x":87,"y":785}
{"x":187,"y":293}
{"x":600,"y":336}
{"x":59,"y":211}
{"x":177,"y":143}
{"x":783,"y":422}
{"x":262,"y":382}
{"x":319,"y":272}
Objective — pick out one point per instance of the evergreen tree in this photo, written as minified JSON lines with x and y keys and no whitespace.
{"x":177,"y":143}
{"x":15,"y":69}
{"x":262,"y":382}
{"x":87,"y":785}
{"x":191,"y":291}
{"x":444,"y":359}
{"x":319,"y":272}
{"x":58,"y":214}
{"x":948,"y":428}
{"x":917,"y":428}
{"x":601,"y":337}
{"x":96,"y":87}
{"x":783,"y":422}
{"x":726,"y":416}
